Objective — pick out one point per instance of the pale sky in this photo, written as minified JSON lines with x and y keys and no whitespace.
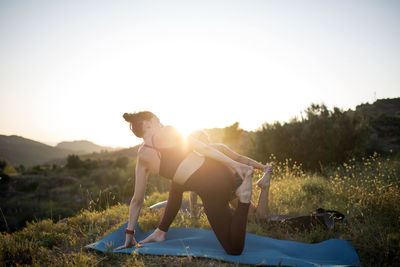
{"x":70,"y":69}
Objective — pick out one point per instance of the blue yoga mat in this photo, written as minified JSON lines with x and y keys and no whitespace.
{"x":259,"y":250}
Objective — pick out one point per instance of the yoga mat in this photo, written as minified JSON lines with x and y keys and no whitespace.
{"x":258,"y":250}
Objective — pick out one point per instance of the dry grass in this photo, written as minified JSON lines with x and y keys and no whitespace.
{"x":366,"y":191}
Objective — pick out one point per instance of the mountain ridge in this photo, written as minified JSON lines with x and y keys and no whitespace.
{"x":18,"y":150}
{"x":83,"y":146}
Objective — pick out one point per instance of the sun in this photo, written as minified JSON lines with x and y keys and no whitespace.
{"x":185,"y":129}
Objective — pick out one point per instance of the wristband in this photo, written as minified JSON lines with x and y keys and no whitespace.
{"x":129,"y":232}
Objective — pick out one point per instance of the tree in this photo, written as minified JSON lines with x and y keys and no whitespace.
{"x":232,"y":135}
{"x":321,"y":137}
{"x":121,"y":162}
{"x":73,"y":162}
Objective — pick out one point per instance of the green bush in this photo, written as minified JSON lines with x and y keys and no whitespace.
{"x":74,"y":162}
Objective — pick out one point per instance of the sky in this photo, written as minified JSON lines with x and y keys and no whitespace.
{"x":70,"y":69}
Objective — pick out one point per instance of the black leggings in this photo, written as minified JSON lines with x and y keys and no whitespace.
{"x":214,"y":183}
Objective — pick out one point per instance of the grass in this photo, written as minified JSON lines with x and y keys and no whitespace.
{"x":366,"y":191}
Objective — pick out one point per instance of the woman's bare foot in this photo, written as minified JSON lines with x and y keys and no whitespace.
{"x":264,"y":181}
{"x":244,"y":190}
{"x":157,"y":236}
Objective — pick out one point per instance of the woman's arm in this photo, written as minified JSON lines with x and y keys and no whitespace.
{"x":237,"y":157}
{"x":169,"y":135}
{"x":136,"y":202}
{"x":208,"y":151}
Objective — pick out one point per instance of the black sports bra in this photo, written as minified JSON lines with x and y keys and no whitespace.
{"x":170,"y":157}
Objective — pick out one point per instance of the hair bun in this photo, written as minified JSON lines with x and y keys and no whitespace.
{"x":128,"y":116}
{"x":136,"y":120}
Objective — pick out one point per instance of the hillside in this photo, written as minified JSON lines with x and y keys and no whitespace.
{"x":384,"y":116}
{"x":388,"y":107}
{"x":83,"y":147}
{"x":17,"y":150}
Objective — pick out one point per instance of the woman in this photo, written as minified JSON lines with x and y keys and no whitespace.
{"x":261,"y":210}
{"x":209,"y":173}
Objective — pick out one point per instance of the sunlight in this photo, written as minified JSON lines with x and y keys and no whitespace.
{"x":184,"y":128}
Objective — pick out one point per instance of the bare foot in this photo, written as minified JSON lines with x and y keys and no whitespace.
{"x":264,"y":181}
{"x":244,"y":190}
{"x":157,"y":236}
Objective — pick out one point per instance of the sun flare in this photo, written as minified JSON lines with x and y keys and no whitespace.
{"x":185,"y":128}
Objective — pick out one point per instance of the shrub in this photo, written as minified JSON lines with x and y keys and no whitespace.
{"x":121,"y":162}
{"x":74,"y":162}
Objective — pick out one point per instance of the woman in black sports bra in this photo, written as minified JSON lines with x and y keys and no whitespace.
{"x":192,"y":166}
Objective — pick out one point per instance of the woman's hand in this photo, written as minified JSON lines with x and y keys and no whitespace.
{"x":129,"y":242}
{"x":157,"y":236}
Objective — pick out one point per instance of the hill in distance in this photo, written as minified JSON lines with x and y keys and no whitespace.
{"x":83,"y":147}
{"x":17,"y":150}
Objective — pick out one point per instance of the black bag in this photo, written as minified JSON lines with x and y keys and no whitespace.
{"x":321,"y":217}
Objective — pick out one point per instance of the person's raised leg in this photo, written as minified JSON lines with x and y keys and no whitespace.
{"x":262,"y":207}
